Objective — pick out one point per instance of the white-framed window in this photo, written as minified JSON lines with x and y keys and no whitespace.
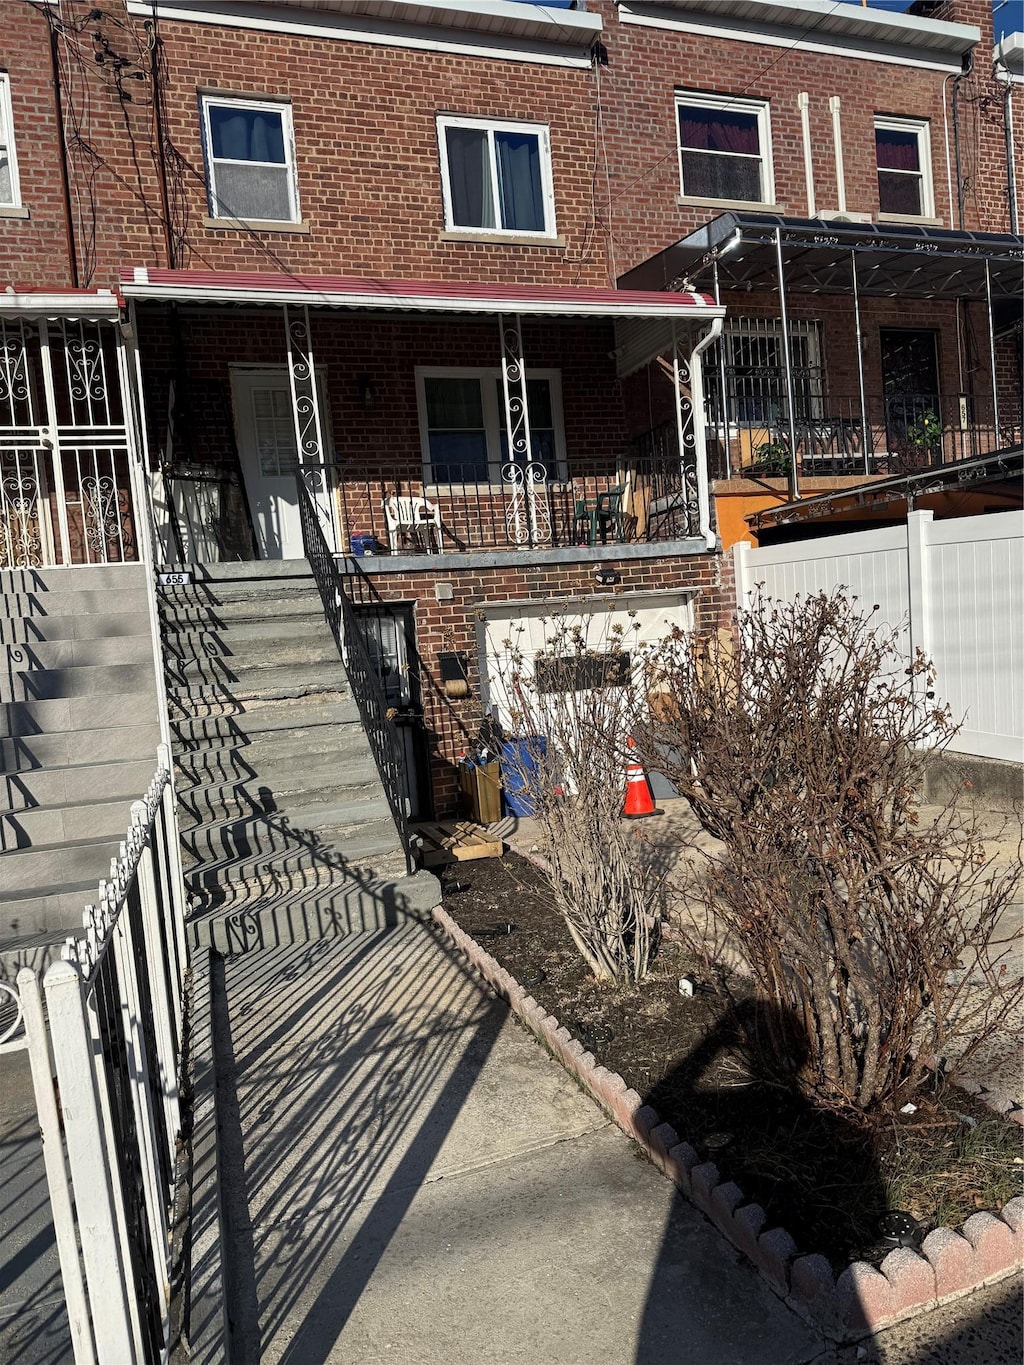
{"x":496,"y":177}
{"x":725,"y":150}
{"x":10,"y":194}
{"x":904,"y":158}
{"x":250,"y":159}
{"x":463,"y":431}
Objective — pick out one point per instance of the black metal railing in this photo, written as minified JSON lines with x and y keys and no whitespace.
{"x":840,"y":434}
{"x":374,"y":712}
{"x":649,"y":494}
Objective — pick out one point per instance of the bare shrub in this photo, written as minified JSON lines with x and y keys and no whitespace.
{"x":575,"y":696}
{"x":798,"y":743}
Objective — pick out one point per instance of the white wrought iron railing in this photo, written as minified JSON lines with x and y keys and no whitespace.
{"x":66,"y":451}
{"x":103,"y":1030}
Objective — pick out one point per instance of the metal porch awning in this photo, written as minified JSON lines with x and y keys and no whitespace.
{"x":891,"y":259}
{"x":87,"y":305}
{"x":413,"y":296}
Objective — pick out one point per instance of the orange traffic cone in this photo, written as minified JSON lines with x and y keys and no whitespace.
{"x":639,"y":802}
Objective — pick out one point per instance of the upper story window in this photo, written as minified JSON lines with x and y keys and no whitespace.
{"x":724,"y":148}
{"x":463,"y":429}
{"x":903,"y":154}
{"x":496,"y":177}
{"x":9,"y":192}
{"x":250,"y":160}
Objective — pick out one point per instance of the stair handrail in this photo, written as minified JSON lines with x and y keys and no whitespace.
{"x":374,"y":711}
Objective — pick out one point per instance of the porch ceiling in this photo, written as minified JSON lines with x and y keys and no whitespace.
{"x":893,"y":260}
{"x":418,"y":296}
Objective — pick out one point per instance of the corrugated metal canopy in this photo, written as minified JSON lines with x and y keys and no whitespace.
{"x":426,"y":296}
{"x":87,"y":304}
{"x":893,"y":260}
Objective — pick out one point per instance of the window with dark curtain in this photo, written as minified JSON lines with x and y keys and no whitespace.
{"x":519,"y":182}
{"x":720,"y":153}
{"x":247,"y":134}
{"x":469,"y":175}
{"x":456,"y":430}
{"x":898,"y":154}
{"x":251,"y":175}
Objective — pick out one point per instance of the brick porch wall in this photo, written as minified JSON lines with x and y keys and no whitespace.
{"x":446,"y":626}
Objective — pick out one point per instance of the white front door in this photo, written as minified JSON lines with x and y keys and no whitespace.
{"x":266,"y":447}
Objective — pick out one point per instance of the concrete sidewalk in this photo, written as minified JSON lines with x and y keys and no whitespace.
{"x":408,"y":1177}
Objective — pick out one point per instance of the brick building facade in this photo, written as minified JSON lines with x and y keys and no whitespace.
{"x":508,"y":176}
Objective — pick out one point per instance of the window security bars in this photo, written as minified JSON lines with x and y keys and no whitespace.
{"x":65,"y":477}
{"x":106,"y":1022}
{"x":374,"y":711}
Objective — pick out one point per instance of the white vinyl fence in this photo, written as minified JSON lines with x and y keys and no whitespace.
{"x":103,"y":1030}
{"x":955,"y":588}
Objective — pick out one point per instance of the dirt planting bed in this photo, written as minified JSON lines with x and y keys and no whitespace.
{"x":827,"y":1182}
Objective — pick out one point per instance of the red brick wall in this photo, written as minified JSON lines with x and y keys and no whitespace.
{"x":366,"y":149}
{"x":445,"y":626}
{"x":638,"y":88}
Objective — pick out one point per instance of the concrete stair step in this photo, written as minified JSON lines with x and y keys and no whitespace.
{"x":216,"y":801}
{"x":196,"y":614}
{"x":107,"y":781}
{"x":240,"y":757}
{"x":47,"y":911}
{"x":207,"y":668}
{"x":349,"y":829}
{"x":74,"y":626}
{"x":35,"y":951}
{"x":51,"y":684}
{"x":48,"y":655}
{"x":349,"y":906}
{"x":84,"y":746}
{"x":263,"y":718}
{"x":48,"y":826}
{"x":82,"y":577}
{"x":70,"y":715}
{"x":251,"y":684}
{"x":40,"y":870}
{"x":78,"y":601}
{"x":209,"y":639}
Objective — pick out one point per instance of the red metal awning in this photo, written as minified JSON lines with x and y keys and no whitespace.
{"x":428,"y":296}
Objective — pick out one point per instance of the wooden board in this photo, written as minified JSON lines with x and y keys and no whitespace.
{"x":456,"y":841}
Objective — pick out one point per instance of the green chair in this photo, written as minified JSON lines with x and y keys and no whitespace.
{"x":594,"y":517}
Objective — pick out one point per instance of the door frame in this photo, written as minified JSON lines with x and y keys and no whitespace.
{"x":272,"y":374}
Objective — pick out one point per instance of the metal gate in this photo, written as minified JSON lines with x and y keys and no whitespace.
{"x":65,"y":471}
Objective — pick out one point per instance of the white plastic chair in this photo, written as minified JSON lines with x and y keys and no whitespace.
{"x":415,"y":518}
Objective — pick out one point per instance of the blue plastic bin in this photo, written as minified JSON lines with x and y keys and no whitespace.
{"x":363,"y":545}
{"x":518,"y":766}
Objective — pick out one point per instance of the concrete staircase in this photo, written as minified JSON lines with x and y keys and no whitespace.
{"x":286,"y":830}
{"x":78,"y":742}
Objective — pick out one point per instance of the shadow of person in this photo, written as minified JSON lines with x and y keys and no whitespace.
{"x":735,"y":1098}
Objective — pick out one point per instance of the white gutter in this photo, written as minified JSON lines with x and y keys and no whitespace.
{"x":699,"y":426}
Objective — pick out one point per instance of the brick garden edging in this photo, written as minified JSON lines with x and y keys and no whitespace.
{"x":861,"y":1299}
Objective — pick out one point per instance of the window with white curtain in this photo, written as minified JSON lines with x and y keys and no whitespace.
{"x":724,"y":148}
{"x":9,"y":193}
{"x":496,"y":177}
{"x":463,"y":430}
{"x":250,"y":160}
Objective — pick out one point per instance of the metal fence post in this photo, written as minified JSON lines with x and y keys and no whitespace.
{"x":105,"y":1272}
{"x":41,"y":1064}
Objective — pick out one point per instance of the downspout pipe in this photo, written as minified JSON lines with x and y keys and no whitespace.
{"x":1011,"y":158}
{"x":700,"y":443}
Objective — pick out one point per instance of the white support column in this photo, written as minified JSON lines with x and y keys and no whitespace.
{"x":41,"y":1063}
{"x":528,"y":518}
{"x":109,"y":1286}
{"x":919,"y":590}
{"x":309,"y":431}
{"x":57,"y":462}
